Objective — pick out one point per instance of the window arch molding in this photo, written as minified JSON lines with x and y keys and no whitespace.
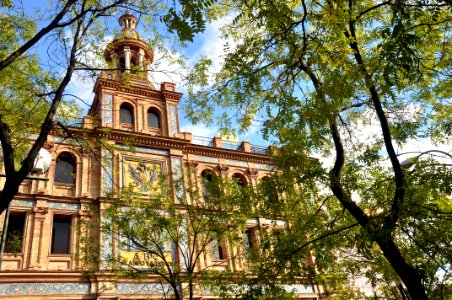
{"x":239,"y":178}
{"x":127,"y":113}
{"x":269,"y":188}
{"x":65,"y":170}
{"x":206,"y":177}
{"x":154,"y":117}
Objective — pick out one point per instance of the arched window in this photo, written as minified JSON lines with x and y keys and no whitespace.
{"x":209,"y":184}
{"x":122,"y":63}
{"x":269,"y":189}
{"x":134,"y":65}
{"x":239,"y":180}
{"x":65,"y":169}
{"x":153,"y":118}
{"x":126,"y":114}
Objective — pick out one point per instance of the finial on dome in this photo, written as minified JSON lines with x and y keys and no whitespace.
{"x":127,"y":7}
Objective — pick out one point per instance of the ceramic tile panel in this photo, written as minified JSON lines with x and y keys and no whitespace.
{"x":107,"y":172}
{"x":207,"y":159}
{"x":237,"y":163}
{"x":265,"y":167}
{"x":143,"y":288}
{"x":172,"y":120}
{"x":23,"y":203}
{"x":107,"y":120}
{"x":143,"y":149}
{"x":44,"y":288}
{"x":176,"y":165}
{"x":66,"y":206}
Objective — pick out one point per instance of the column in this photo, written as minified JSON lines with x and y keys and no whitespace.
{"x":141,"y":59}
{"x":127,"y":58}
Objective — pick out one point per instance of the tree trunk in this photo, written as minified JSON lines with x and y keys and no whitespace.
{"x":409,"y":275}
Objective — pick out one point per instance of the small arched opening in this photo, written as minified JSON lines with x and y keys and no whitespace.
{"x":65,"y":168}
{"x":126,"y":115}
{"x":153,"y":118}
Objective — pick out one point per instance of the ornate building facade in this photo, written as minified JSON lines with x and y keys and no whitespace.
{"x":43,"y":246}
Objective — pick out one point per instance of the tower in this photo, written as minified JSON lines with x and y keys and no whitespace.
{"x":125,"y":98}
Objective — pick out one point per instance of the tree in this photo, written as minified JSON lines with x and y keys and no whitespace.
{"x":160,"y":236}
{"x":317,"y":73}
{"x":32,"y":91}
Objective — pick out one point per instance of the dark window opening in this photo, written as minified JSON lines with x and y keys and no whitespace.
{"x":218,"y":250}
{"x":125,"y":115}
{"x":122,"y":63}
{"x":153,"y":119}
{"x":209,"y":185}
{"x":269,"y":190}
{"x":249,"y":239}
{"x":134,"y":65}
{"x":239,"y":180}
{"x":15,"y":233}
{"x":65,"y":169}
{"x":61,"y":234}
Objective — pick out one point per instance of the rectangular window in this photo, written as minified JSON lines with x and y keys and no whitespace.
{"x":218,"y":250}
{"x":249,"y":239}
{"x":15,"y":233}
{"x":61,"y":234}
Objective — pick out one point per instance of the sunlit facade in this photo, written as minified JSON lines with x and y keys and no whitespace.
{"x":47,"y":229}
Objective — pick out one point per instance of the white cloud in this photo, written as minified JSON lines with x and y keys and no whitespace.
{"x":213,"y":45}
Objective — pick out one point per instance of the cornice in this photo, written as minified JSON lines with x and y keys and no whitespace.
{"x":120,"y":86}
{"x":49,"y":197}
{"x":43,"y":276}
{"x":166,"y":143}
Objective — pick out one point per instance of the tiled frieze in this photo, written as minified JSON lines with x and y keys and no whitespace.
{"x":23,"y":203}
{"x":207,"y":159}
{"x":143,"y":288}
{"x":237,"y":163}
{"x":44,"y":288}
{"x":65,"y":206}
{"x":265,"y":167}
{"x":298,"y":288}
{"x":143,"y":149}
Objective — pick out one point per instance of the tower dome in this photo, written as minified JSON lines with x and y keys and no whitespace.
{"x":128,"y":53}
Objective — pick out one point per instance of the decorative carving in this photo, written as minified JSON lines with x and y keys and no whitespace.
{"x":40,"y":211}
{"x":191,"y":164}
{"x":222,"y":168}
{"x":252,"y":171}
{"x":48,"y":145}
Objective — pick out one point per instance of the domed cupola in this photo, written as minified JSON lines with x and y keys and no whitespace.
{"x":128,"y":52}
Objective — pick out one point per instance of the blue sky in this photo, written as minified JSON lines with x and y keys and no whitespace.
{"x":205,"y":44}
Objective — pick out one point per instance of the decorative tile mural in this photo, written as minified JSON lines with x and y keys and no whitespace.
{"x":208,"y":159}
{"x":107,"y":119}
{"x":172,"y":120}
{"x":44,"y":288}
{"x":143,"y":176}
{"x":143,"y":288}
{"x":66,"y":206}
{"x":23,"y":203}
{"x":237,"y":163}
{"x":176,"y":165}
{"x":107,"y":172}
